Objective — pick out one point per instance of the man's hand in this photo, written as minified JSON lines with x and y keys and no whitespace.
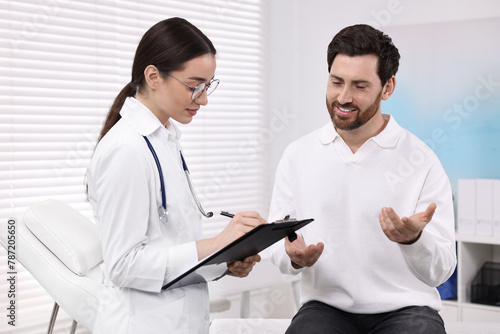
{"x":243,"y":268}
{"x":302,"y":255}
{"x":406,"y":230}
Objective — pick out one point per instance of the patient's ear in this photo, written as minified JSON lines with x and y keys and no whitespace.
{"x":389,"y":87}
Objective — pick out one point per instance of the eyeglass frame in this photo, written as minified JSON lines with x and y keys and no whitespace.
{"x":201,"y":84}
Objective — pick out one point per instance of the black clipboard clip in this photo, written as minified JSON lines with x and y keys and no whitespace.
{"x":291,"y":236}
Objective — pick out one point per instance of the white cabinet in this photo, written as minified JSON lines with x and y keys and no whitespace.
{"x":473,"y":251}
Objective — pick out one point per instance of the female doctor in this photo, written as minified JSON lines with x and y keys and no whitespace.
{"x":143,"y":247}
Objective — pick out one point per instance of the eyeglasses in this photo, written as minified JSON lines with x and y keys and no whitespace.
{"x":198,"y":90}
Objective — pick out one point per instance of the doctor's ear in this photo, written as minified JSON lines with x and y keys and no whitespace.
{"x":152,"y":76}
{"x":389,"y":87}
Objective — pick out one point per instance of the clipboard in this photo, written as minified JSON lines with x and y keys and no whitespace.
{"x":261,"y":237}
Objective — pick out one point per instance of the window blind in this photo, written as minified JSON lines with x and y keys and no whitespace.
{"x":62,"y":63}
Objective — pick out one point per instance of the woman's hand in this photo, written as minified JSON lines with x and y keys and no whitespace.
{"x":243,"y":268}
{"x":240,"y":224}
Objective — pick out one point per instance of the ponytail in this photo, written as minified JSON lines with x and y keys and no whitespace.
{"x":114,"y":112}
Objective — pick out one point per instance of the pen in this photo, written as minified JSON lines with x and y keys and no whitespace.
{"x":227,"y":214}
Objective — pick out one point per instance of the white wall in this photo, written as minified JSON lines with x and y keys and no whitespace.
{"x":300,"y":31}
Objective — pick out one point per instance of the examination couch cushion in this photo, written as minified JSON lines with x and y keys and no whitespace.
{"x":66,"y":233}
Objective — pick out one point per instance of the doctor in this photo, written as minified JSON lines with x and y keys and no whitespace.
{"x":131,"y":189}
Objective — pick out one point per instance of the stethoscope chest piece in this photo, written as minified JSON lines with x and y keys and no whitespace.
{"x":163,"y":213}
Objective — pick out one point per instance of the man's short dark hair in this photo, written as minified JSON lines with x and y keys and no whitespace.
{"x":362,"y":39}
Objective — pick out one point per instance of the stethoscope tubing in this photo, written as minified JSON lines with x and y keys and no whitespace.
{"x":188,"y":178}
{"x":158,"y":165}
{"x":191,"y":188}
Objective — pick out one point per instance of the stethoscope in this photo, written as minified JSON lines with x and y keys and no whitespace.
{"x":163,"y":212}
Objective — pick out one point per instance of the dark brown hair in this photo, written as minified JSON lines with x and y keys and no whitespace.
{"x":362,"y":39}
{"x":166,"y":45}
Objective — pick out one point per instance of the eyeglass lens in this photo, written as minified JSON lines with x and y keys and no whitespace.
{"x":198,"y":90}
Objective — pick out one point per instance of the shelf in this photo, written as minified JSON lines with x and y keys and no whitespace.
{"x":479,"y":312}
{"x":478,"y":239}
{"x":473,"y":252}
{"x":449,"y":302}
{"x":482,"y":307}
{"x":453,"y":311}
{"x":450,"y":311}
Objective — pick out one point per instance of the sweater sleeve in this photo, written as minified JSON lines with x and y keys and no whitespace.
{"x":432,"y":258}
{"x":282,"y":205}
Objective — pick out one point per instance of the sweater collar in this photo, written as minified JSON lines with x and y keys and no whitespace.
{"x":385,"y":139}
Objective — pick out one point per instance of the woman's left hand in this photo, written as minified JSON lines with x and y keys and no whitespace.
{"x":243,"y":268}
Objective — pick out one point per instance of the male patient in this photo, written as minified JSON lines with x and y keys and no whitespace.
{"x":383,"y":235}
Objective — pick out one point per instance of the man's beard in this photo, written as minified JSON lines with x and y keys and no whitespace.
{"x":362,"y":116}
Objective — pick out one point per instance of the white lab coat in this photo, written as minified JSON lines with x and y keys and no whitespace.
{"x":140,"y":253}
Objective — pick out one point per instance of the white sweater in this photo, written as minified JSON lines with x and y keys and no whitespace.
{"x":361,"y":270}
